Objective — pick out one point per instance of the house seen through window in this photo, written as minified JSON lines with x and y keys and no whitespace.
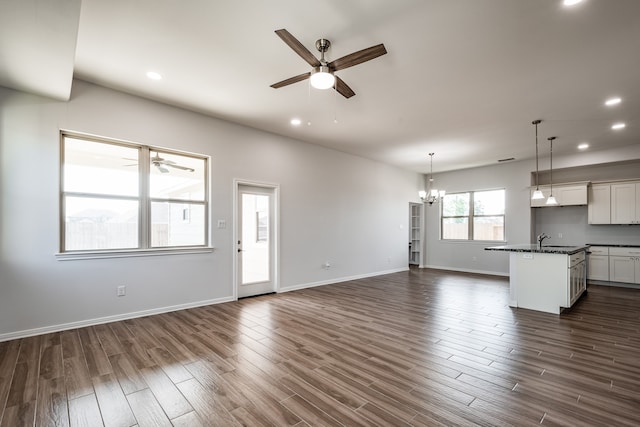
{"x":117,"y":196}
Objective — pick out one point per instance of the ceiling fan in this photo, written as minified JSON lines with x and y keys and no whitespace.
{"x":322,"y":74}
{"x":160,"y":163}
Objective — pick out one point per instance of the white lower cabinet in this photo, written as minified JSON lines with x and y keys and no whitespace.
{"x":576,"y":281}
{"x":598,"y":263}
{"x":624,"y":265}
{"x":546,"y":281}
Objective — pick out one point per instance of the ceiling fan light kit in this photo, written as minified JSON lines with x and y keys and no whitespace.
{"x":322,"y":78}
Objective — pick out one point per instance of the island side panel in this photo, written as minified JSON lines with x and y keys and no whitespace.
{"x":539,"y":280}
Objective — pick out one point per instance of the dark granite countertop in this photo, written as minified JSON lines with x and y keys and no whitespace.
{"x":561,"y":250}
{"x":613,"y":245}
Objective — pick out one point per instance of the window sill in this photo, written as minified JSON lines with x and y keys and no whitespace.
{"x":73,"y":256}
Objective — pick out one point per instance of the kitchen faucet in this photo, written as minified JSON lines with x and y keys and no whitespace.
{"x":541,"y":237}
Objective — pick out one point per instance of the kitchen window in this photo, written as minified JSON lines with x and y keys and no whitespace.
{"x":474,"y":215}
{"x":125,"y":197}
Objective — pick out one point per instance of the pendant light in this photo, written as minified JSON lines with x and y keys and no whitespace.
{"x":537,"y":195}
{"x":551,"y":200}
{"x":432,"y":195}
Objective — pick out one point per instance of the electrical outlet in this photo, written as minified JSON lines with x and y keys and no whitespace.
{"x":121,"y":291}
{"x":559,"y":235}
{"x":222,"y":223}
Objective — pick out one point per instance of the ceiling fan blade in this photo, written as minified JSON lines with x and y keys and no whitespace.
{"x":161,"y":168}
{"x":184,"y":168}
{"x":298,"y":47}
{"x":358,"y":57}
{"x":291,"y":80}
{"x":343,"y":89}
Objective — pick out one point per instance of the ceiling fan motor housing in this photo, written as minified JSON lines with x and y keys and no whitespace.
{"x":323,"y":45}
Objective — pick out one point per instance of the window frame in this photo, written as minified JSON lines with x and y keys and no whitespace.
{"x":472,"y":216}
{"x":144,"y":199}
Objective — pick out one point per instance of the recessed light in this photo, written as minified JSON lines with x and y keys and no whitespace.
{"x":154,"y":76}
{"x":618,"y":126}
{"x":612,"y":101}
{"x":296,"y":122}
{"x":583,"y":146}
{"x":571,"y":2}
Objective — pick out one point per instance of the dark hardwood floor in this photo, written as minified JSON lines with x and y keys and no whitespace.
{"x":420,"y":348}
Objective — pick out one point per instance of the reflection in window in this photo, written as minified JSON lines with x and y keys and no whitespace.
{"x":125,"y":196}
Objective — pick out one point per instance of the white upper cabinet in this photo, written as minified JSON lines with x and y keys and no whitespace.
{"x":625,"y":203}
{"x":566,"y":195}
{"x":600,"y":204}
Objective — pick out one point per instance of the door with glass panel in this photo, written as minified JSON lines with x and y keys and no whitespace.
{"x":255,"y":241}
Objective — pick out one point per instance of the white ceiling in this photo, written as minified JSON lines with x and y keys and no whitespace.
{"x":462,"y":78}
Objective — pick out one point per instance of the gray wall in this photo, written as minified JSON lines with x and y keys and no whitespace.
{"x":471,"y":256}
{"x":334,"y":207}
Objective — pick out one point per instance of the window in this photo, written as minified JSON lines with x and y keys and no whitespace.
{"x":477,"y":215}
{"x":117,"y":196}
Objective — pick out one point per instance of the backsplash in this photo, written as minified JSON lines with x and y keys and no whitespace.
{"x":571,"y":222}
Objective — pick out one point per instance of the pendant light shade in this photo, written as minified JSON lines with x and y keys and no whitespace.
{"x":537,"y":194}
{"x":551,"y":200}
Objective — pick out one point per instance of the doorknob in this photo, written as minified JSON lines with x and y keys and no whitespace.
{"x":239,"y":250}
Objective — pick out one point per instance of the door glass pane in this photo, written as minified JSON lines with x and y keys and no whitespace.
{"x":255,"y":238}
{"x":93,"y":224}
{"x":177,"y":224}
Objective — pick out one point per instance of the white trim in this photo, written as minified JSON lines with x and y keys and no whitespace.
{"x":468,"y":270}
{"x":74,"y":256}
{"x":108,"y":319}
{"x":340,"y":280}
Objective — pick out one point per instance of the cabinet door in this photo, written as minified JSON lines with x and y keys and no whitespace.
{"x":571,"y":195}
{"x":600,"y":204}
{"x":623,"y":203}
{"x":622,"y":269}
{"x":599,"y":267}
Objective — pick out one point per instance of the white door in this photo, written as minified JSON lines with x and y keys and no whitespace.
{"x":255,"y":240}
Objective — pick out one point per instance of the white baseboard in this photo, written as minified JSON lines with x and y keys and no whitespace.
{"x":108,"y":319}
{"x":467,"y":270}
{"x":340,"y":280}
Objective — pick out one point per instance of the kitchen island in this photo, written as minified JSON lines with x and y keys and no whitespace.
{"x":547,"y":278}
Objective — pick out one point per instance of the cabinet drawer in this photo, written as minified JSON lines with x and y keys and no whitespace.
{"x":576,"y":258}
{"x":599,"y":250}
{"x":632,"y":252}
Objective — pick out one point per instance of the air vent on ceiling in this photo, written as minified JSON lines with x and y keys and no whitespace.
{"x":506,"y":160}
